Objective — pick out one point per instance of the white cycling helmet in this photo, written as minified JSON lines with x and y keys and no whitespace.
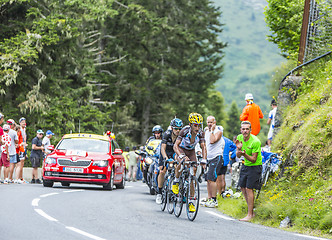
{"x":249,"y":96}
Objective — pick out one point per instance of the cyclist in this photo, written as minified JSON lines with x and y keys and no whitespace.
{"x":184,"y":147}
{"x":167,"y":151}
{"x":157,"y":133}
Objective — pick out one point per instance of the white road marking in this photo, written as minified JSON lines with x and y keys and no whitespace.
{"x":85,"y":233}
{"x":34,"y":202}
{"x":306,"y":236}
{"x":68,"y":191}
{"x":43,"y":214}
{"x":129,"y":186}
{"x":49,"y":194}
{"x":220,"y":216}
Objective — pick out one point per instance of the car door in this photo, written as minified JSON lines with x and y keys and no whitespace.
{"x":118,"y":165}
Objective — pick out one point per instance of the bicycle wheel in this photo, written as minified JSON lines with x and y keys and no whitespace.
{"x":178,"y":200}
{"x":192,"y":199}
{"x":164,"y":195}
{"x":170,"y":196}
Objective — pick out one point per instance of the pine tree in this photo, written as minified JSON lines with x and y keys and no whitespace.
{"x":233,"y":122}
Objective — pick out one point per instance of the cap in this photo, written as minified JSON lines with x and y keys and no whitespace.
{"x":40,"y":131}
{"x":6,"y":127}
{"x":21,"y":119}
{"x":49,"y":132}
{"x":249,"y":96}
{"x":10,"y":121}
{"x":273,"y":102}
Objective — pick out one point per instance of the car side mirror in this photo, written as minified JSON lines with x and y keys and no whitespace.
{"x":117,"y":151}
{"x":50,"y":147}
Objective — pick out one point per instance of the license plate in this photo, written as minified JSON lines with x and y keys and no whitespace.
{"x":75,"y":170}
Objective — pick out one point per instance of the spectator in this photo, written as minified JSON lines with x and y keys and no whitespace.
{"x":221,"y":181}
{"x":214,"y":146}
{"x":47,"y":142}
{"x":266,"y":148}
{"x":36,"y":155}
{"x":23,"y":136}
{"x":126,"y":158}
{"x":1,"y":133}
{"x":19,"y":154}
{"x":12,"y":148}
{"x":132,"y":165}
{"x":249,"y":146}
{"x":252,"y":113}
{"x":6,"y":141}
{"x":233,"y":156}
{"x":271,"y":121}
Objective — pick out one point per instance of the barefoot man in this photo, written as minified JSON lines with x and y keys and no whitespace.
{"x":249,"y":146}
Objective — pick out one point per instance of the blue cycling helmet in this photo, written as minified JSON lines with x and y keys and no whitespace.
{"x":157,"y":128}
{"x":176,"y":122}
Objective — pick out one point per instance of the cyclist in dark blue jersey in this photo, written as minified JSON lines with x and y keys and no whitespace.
{"x":167,"y":151}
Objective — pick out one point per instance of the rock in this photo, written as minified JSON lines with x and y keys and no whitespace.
{"x":285,"y":223}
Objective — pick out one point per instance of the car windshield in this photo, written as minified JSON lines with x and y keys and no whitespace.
{"x":89,"y":145}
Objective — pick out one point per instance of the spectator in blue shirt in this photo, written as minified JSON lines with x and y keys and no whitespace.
{"x":229,"y":147}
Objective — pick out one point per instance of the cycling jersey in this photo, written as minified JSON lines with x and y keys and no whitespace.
{"x":185,"y":138}
{"x":167,"y":139}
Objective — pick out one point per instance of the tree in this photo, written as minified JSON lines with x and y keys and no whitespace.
{"x":284,"y":18}
{"x":233,"y":122}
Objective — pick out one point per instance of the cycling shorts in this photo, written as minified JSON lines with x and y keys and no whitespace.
{"x":191,"y":154}
{"x":214,"y":166}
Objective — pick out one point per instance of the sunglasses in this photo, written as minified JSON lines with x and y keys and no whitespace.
{"x":176,"y":128}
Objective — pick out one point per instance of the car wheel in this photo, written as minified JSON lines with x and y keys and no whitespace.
{"x":110,"y":184}
{"x":48,"y":183}
{"x":65,"y":184}
{"x":122,"y":184}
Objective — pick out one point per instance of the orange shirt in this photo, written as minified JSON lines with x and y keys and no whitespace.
{"x":252,"y":113}
{"x":20,"y":140}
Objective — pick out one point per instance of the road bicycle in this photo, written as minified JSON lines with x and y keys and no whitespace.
{"x":188,"y":191}
{"x":268,"y":167}
{"x":167,"y":194}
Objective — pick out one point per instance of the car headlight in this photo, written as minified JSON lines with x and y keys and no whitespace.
{"x":50,"y":160}
{"x":100,"y":163}
{"x":148,"y":160}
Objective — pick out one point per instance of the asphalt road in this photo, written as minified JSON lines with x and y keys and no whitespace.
{"x":31,"y":211}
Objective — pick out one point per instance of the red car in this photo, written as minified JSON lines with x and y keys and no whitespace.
{"x":85,"y":158}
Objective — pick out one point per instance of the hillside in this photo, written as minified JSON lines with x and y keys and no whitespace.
{"x":302,"y":188}
{"x":250,"y":58}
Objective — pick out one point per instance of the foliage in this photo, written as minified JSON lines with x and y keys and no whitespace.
{"x":96,"y":65}
{"x":305,"y":199}
{"x":249,"y":57}
{"x":279,"y":74}
{"x":233,"y":121}
{"x":284,"y":18}
{"x":301,"y":189}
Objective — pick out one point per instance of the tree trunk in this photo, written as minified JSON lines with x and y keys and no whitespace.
{"x":145,"y":120}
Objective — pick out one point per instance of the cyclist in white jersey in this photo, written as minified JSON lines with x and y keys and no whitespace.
{"x":184,"y":147}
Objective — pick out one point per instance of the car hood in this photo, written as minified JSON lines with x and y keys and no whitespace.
{"x":72,"y":154}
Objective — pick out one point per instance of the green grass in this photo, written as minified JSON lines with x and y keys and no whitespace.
{"x":303,"y":190}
